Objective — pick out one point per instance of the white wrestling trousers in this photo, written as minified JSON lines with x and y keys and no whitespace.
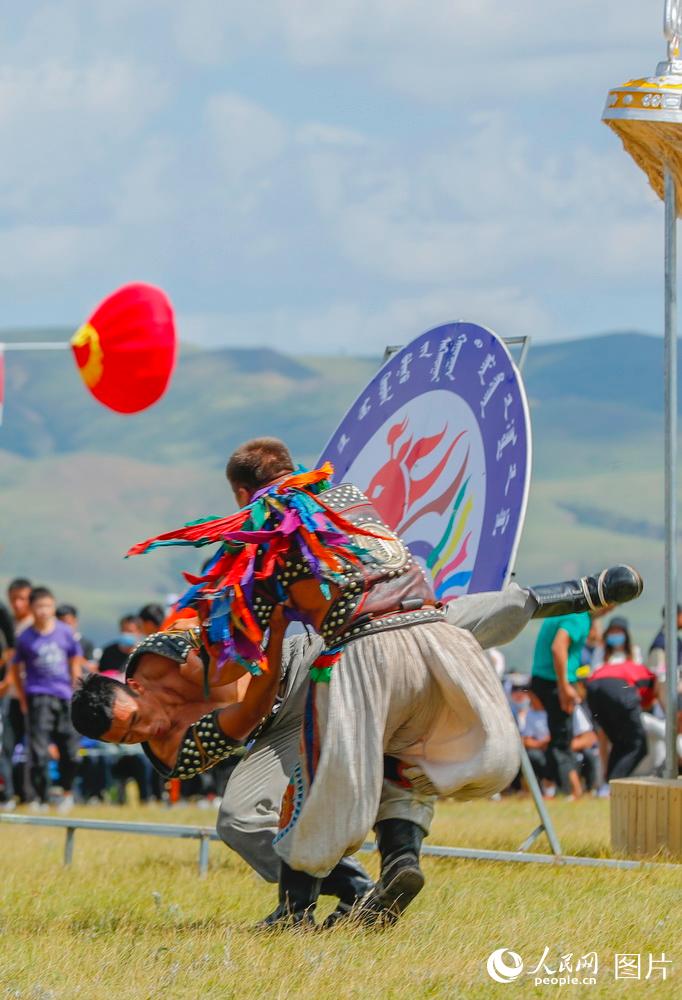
{"x":424,"y":694}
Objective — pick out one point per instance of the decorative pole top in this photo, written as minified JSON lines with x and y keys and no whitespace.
{"x":672,"y":30}
{"x":646,"y":113}
{"x":655,"y":98}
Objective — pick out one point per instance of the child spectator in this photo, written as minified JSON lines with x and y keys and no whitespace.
{"x":47,"y":660}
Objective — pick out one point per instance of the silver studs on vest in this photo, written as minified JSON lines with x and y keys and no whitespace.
{"x":204,"y":744}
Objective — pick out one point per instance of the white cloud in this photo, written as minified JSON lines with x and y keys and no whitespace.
{"x":246,"y":137}
{"x":316,"y":134}
{"x":355,"y":328}
{"x":491,"y":208}
{"x":30,"y":255}
{"x":435,"y":47}
{"x":143,"y":192}
{"x":437,"y":50}
{"x":268,"y":155}
{"x":208,"y":32}
{"x":64,"y":130}
{"x":107,"y":91}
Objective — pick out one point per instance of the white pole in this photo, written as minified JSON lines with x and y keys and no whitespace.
{"x":670,"y":368}
{"x":47,"y":345}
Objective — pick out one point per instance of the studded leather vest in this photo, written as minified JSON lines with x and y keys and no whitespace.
{"x":390,"y":591}
{"x":203,"y":746}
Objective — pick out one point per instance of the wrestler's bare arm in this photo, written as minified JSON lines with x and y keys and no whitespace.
{"x":239,"y":721}
{"x":193,"y":669}
{"x":224,"y":686}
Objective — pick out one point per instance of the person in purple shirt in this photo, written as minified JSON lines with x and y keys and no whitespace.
{"x":48,"y":660}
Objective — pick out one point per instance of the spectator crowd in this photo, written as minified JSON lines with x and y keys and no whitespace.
{"x":589,"y":711}
{"x":593,"y":707}
{"x":43,"y":760}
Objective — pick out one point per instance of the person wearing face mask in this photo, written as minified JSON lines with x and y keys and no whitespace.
{"x":531,"y":719}
{"x":115,"y":656}
{"x":616,"y":694}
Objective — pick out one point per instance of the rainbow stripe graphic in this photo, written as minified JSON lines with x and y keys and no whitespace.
{"x":452,"y":550}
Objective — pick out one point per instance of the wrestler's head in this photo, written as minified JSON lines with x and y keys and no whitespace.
{"x":105,"y":709}
{"x":256,"y":464}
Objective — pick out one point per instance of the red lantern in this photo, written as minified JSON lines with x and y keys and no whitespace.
{"x":125,"y":352}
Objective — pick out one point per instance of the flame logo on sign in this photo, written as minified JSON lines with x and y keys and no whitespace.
{"x":398,"y":489}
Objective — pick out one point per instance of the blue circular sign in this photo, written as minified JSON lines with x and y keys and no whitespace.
{"x":440,"y":443}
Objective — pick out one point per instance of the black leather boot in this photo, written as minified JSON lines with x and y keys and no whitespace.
{"x":616,"y":585}
{"x":399,"y":842}
{"x":350,"y":882}
{"x":298,"y":894}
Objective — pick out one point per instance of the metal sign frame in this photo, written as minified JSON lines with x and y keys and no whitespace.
{"x":546,"y":826}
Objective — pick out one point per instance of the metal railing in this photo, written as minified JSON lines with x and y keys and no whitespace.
{"x":200,"y":833}
{"x":206,"y":834}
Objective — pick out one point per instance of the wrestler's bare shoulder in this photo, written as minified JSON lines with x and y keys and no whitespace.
{"x":185,"y":682}
{"x":306,"y":597}
{"x":231,"y":687}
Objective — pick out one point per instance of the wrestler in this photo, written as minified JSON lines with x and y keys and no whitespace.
{"x":163,"y":707}
{"x":165,"y":675}
{"x":182,"y":730}
{"x":395,"y":677}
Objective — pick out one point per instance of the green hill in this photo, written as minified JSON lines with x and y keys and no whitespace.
{"x":78,"y":483}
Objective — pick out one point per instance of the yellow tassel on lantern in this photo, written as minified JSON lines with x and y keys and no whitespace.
{"x":91,"y":370}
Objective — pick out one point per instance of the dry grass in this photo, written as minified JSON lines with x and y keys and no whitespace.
{"x":132,"y":921}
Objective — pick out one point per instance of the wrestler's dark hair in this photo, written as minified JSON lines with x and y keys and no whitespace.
{"x":37,"y":593}
{"x":92,"y":704}
{"x":19,"y":583}
{"x":258,"y":462}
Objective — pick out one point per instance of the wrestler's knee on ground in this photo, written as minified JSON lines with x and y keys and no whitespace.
{"x":250,"y":839}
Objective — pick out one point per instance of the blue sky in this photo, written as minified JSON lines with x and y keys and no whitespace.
{"x":325,"y":175}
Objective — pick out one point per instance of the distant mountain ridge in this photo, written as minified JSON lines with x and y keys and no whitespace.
{"x":618,"y":376}
{"x":79,"y":484}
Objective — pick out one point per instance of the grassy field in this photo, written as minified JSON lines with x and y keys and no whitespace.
{"x":132,"y":921}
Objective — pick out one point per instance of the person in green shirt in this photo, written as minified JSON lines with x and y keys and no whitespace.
{"x":557,"y":657}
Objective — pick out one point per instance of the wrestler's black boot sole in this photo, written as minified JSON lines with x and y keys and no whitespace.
{"x":400,"y":882}
{"x":298,"y":893}
{"x":616,"y":585}
{"x":399,"y":842}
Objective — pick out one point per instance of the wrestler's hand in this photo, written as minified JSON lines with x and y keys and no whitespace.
{"x":568,"y":698}
{"x":278,"y":622}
